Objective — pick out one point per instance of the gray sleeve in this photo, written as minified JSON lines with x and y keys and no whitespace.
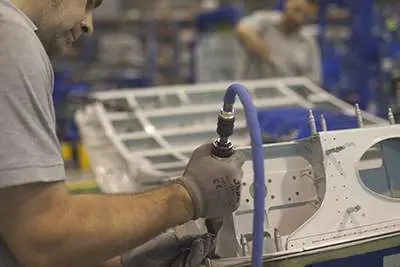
{"x":29,"y":148}
{"x":255,"y":21}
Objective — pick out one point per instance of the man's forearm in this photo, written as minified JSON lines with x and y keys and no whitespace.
{"x":96,"y":228}
{"x":253,"y":43}
{"x":124,"y":221}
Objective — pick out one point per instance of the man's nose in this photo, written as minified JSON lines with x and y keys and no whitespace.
{"x":87,"y":25}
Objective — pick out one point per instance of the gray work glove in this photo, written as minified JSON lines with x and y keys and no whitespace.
{"x":167,"y":251}
{"x":214,"y":184}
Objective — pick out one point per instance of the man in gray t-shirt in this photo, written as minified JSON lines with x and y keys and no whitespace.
{"x":278,"y":46}
{"x":41,"y":224}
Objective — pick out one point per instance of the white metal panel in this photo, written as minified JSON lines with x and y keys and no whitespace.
{"x":329,"y":204}
{"x":349,"y":210}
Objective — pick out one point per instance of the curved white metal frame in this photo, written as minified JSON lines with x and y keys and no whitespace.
{"x":168,"y":122}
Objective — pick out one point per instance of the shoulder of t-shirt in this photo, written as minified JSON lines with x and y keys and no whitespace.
{"x":21,"y":50}
{"x":18,"y":39}
{"x":271,"y":17}
{"x":22,"y":56}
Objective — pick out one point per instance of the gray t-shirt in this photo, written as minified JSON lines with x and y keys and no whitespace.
{"x":29,"y":148}
{"x":293,"y":54}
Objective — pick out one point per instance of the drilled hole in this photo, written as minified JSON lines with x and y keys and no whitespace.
{"x":272,"y":197}
{"x":244,"y":184}
{"x":294,"y":177}
{"x":289,"y":199}
{"x":297,"y":193}
{"x":247,"y":200}
{"x":269,"y":181}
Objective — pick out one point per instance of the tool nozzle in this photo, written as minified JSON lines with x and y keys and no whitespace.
{"x":223,"y":147}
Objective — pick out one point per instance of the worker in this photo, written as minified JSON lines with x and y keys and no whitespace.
{"x":41,"y":224}
{"x":280,"y":47}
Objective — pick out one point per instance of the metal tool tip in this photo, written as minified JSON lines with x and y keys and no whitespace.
{"x":324,"y":126}
{"x":311,"y":120}
{"x":360,"y":119}
{"x":391,"y":116}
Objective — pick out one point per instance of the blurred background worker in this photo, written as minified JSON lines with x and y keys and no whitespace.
{"x":280,"y":48}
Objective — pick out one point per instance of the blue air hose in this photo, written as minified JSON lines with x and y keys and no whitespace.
{"x":258,"y":164}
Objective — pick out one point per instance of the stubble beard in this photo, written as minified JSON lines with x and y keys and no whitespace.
{"x":52,"y":43}
{"x":49,"y":36}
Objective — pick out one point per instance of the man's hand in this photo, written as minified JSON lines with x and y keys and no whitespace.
{"x":167,"y":251}
{"x":213,"y":184}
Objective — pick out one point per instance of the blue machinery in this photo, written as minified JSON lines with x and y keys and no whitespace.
{"x":372,"y":43}
{"x":361,"y":61}
{"x":354,"y":68}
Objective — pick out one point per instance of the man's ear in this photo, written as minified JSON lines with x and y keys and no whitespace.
{"x":93,"y":4}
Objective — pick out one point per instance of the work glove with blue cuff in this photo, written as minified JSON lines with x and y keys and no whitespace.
{"x":167,"y":250}
{"x":214,"y":184}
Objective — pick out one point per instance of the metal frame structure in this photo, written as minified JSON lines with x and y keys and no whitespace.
{"x":160,"y":127}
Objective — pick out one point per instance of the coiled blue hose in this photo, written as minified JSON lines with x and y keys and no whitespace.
{"x":258,"y":164}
